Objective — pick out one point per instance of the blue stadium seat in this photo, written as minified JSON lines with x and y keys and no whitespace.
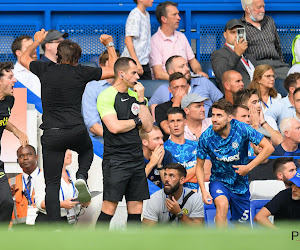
{"x":279,"y":87}
{"x":151,"y":86}
{"x":255,"y":206}
{"x":207,"y":68}
{"x":210,"y":213}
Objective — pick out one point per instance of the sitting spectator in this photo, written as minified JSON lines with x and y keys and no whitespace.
{"x":167,"y":42}
{"x":178,"y":86}
{"x":69,"y":206}
{"x":50,"y":44}
{"x":22,"y":186}
{"x":92,"y":90}
{"x":296,"y":56}
{"x":263,"y":81}
{"x":183,"y":151}
{"x":296,"y":98}
{"x":284,"y":168}
{"x":232,"y":56}
{"x":241,"y":113}
{"x":290,"y":146}
{"x":249,"y":98}
{"x":138,"y":38}
{"x":155,"y":156}
{"x":200,"y":86}
{"x":232,"y":82}
{"x":284,"y":107}
{"x":263,"y":39}
{"x":23,"y":75}
{"x":285,"y":206}
{"x":174,"y":202}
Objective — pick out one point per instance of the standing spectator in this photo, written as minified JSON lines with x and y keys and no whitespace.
{"x":155,"y":156}
{"x":23,"y":75}
{"x":50,"y":44}
{"x":284,"y":168}
{"x":263,"y":39}
{"x":226,"y":143}
{"x":263,"y":81}
{"x":199,"y":85}
{"x":232,"y":56}
{"x":183,"y":151}
{"x":285,"y":206}
{"x":62,"y":87}
{"x":123,"y":111}
{"x":7,"y":81}
{"x":167,"y":42}
{"x":174,"y":203}
{"x":138,"y":37}
{"x":178,"y":86}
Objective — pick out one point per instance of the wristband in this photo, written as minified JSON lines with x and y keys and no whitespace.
{"x":263,"y":123}
{"x":137,"y":121}
{"x":159,"y":168}
{"x":142,"y":103}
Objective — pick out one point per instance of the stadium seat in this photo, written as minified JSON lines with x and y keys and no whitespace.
{"x":89,"y":63}
{"x":210,"y":213}
{"x":151,"y":86}
{"x":255,"y":206}
{"x":266,"y":189}
{"x":207,"y":68}
{"x":279,"y":87}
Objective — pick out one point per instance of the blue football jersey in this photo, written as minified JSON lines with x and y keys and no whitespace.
{"x":224,"y":153}
{"x":184,"y":154}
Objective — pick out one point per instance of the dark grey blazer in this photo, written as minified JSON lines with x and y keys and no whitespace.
{"x":225,"y":59}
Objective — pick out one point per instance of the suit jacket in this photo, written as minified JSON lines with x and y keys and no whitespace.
{"x":225,"y":59}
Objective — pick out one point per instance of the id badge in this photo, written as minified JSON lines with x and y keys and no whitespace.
{"x":31,"y":215}
{"x":71,"y":216}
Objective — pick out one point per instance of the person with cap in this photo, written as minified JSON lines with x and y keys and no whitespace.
{"x":233,"y":56}
{"x":63,"y":84}
{"x":50,"y":44}
{"x":285,"y":206}
{"x":183,"y":151}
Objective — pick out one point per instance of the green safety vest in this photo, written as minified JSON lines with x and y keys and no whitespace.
{"x":293,"y":50}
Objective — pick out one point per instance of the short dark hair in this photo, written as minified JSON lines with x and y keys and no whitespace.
{"x":30,"y":146}
{"x":5,"y":66}
{"x":243,"y":96}
{"x":161,"y":9}
{"x":122,"y":64}
{"x":178,"y":167}
{"x":223,"y":104}
{"x":104,"y":57}
{"x":68,"y":51}
{"x":291,"y":80}
{"x":236,"y":106}
{"x":17,"y":43}
{"x":296,"y":90}
{"x":176,"y":76}
{"x":279,"y":162}
{"x":135,"y":1}
{"x":176,"y":110}
{"x":170,"y":61}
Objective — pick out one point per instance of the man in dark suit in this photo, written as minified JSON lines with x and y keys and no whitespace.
{"x":232,"y":57}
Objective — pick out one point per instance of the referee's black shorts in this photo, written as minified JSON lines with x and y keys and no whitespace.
{"x":124,"y":178}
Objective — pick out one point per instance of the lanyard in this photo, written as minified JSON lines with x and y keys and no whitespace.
{"x":243,"y":59}
{"x":170,"y":215}
{"x":62,"y":192}
{"x":265,"y":103}
{"x":28,"y":191}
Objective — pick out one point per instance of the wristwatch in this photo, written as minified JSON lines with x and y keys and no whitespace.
{"x":180,"y":215}
{"x":110,"y":44}
{"x":138,"y":121}
{"x":142,"y":103}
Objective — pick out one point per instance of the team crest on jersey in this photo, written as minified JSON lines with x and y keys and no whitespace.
{"x":219,"y":191}
{"x":194,"y":152}
{"x":135,"y":108}
{"x":185,"y":211}
{"x":235,"y":145}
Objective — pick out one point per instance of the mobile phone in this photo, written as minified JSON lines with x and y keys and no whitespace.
{"x":240,"y":34}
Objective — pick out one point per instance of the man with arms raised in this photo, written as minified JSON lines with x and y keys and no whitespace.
{"x":226,"y":143}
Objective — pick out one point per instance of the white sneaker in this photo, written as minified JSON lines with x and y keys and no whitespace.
{"x":84,"y":194}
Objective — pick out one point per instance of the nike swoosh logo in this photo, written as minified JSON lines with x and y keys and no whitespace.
{"x":124,"y":100}
{"x":177,"y":155}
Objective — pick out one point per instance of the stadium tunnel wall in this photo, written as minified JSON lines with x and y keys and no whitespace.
{"x":202,"y":22}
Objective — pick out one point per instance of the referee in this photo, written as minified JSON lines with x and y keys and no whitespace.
{"x":123,"y":111}
{"x":62,"y":87}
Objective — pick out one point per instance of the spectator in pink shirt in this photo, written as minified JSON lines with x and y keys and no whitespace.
{"x":167,"y":42}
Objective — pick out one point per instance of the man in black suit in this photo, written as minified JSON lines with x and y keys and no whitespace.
{"x":232,"y":57}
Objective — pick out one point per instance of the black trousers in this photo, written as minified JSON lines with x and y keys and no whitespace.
{"x":55,"y":142}
{"x":6,"y":201}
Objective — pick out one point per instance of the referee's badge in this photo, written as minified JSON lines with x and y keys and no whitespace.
{"x":135,"y":108}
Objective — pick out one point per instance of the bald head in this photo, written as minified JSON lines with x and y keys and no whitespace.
{"x":232,"y":81}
